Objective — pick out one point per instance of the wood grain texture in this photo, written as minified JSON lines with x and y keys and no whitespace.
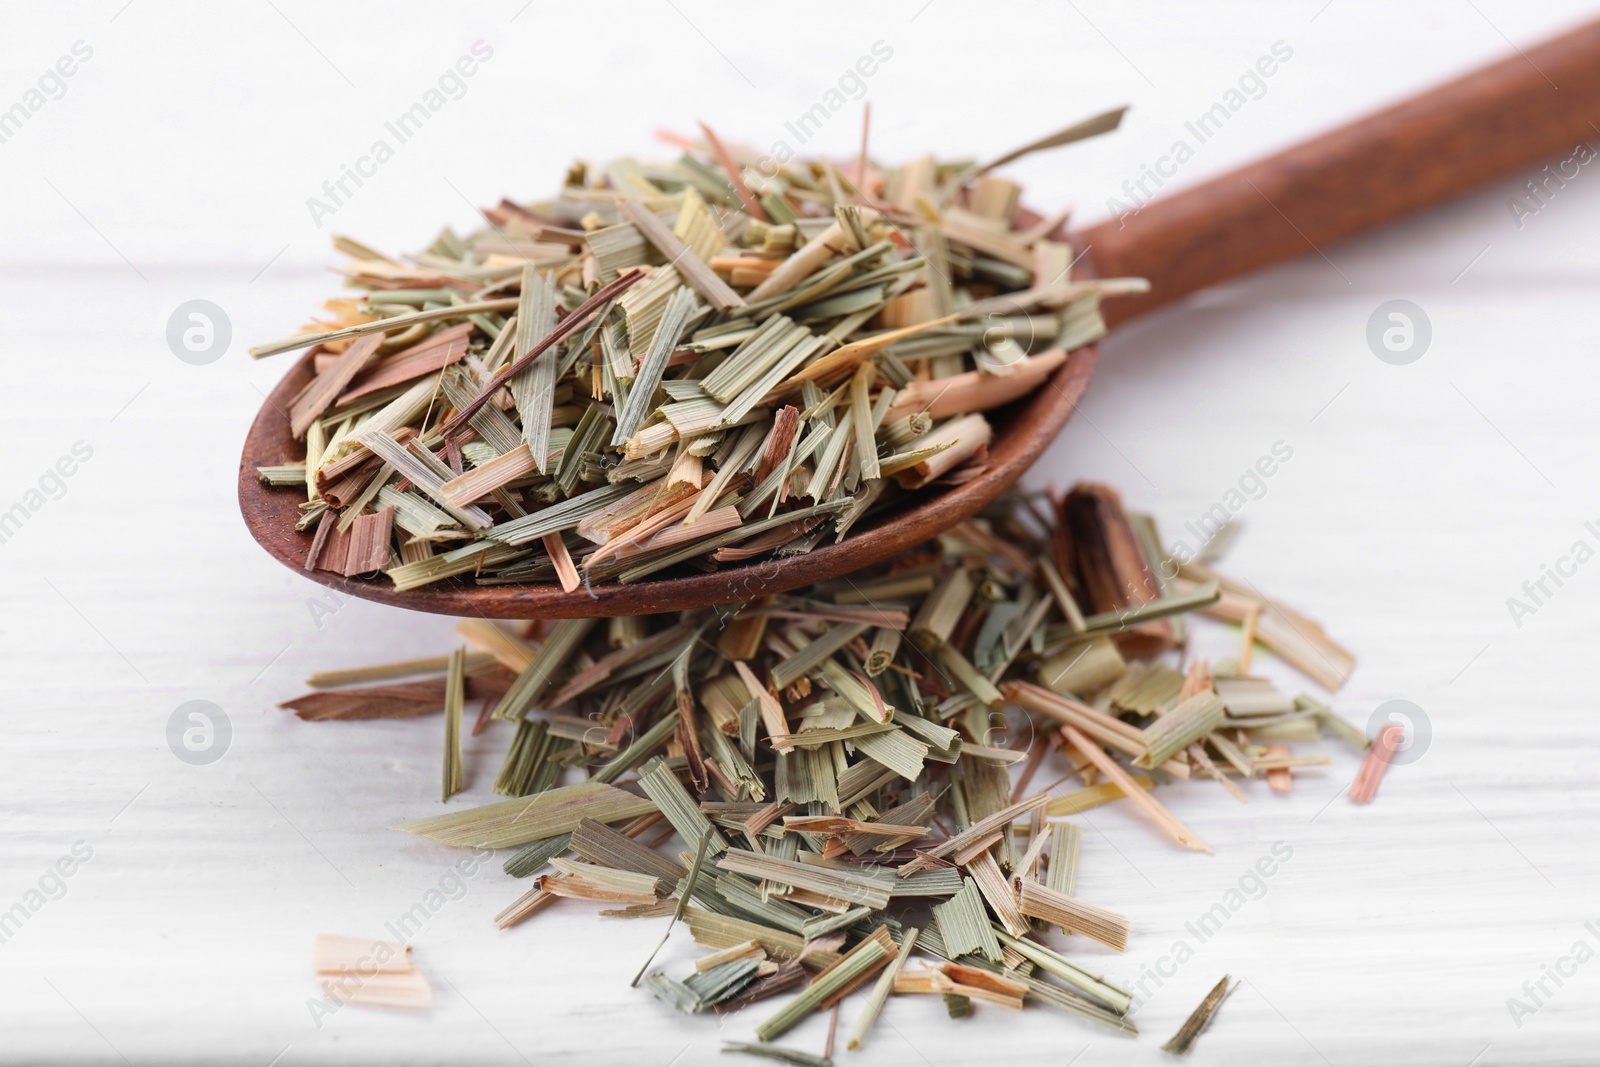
{"x":1529,"y":108}
{"x":1395,"y":933}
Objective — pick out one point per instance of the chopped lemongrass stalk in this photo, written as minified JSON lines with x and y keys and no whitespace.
{"x":1280,"y":778}
{"x":744,"y":950}
{"x":1058,"y":909}
{"x":1177,"y":729}
{"x":1082,"y":668}
{"x":465,"y":489}
{"x":996,"y":891}
{"x":684,"y":894}
{"x":881,"y":990}
{"x":653,"y":365}
{"x":380,"y":974}
{"x":476,"y":661}
{"x":516,"y":822}
{"x":1065,"y":841}
{"x":857,"y":963}
{"x":662,"y":786}
{"x":964,"y":924}
{"x":841,"y":884}
{"x":1052,"y":962}
{"x":1181,"y":1042}
{"x":1376,"y":763}
{"x":283,"y":474}
{"x":306,"y":340}
{"x":454,"y":695}
{"x":683,"y":259}
{"x":976,"y":832}
{"x":1134,"y":791}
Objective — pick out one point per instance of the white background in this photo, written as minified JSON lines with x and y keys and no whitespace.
{"x":177,"y":166}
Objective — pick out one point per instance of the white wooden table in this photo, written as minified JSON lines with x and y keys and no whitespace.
{"x":176,"y":164}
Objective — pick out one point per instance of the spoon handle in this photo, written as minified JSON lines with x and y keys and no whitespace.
{"x":1535,"y":106}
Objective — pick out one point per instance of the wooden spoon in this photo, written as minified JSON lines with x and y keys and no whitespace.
{"x":1526,"y":109}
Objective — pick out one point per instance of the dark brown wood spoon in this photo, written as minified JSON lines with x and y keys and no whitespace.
{"x":1530,"y":108}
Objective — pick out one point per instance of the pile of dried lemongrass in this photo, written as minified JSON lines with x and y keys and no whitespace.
{"x":842,"y":768}
{"x":694,"y":360}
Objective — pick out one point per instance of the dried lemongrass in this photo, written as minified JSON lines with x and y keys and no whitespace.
{"x":399,"y":701}
{"x":997,"y":893}
{"x":1175,"y":730}
{"x":475,"y":662}
{"x":964,"y":924}
{"x":598,"y":843}
{"x":882,"y":989}
{"x":619,"y":334}
{"x":1083,"y":668}
{"x":1280,"y":779}
{"x":454,"y":696}
{"x":1131,"y":789}
{"x":684,"y":894}
{"x":1106,"y":927}
{"x":841,"y":885}
{"x":725,"y":931}
{"x":543,"y":667}
{"x":1116,"y":999}
{"x":782,"y":1055}
{"x":379,"y":974}
{"x":833,"y":756}
{"x":850,"y":968}
{"x":1181,"y":1042}
{"x":1065,"y":842}
{"x":1298,"y":639}
{"x":516,"y":822}
{"x":1376,"y":763}
{"x":957,"y":980}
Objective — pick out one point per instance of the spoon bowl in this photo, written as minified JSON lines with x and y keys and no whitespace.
{"x":1023,"y":431}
